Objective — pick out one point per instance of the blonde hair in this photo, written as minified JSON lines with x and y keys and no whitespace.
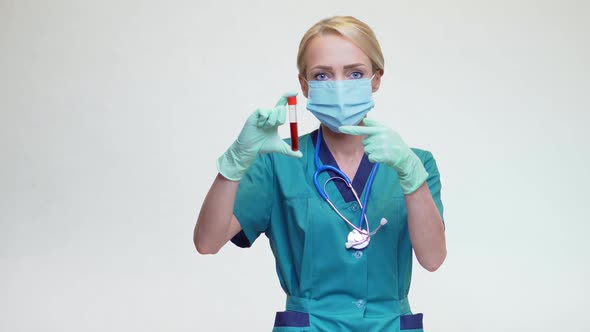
{"x":348,"y":27}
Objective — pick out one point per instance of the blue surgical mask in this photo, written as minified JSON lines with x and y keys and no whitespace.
{"x":340,"y":103}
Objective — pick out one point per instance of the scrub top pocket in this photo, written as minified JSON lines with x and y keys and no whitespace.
{"x":291,"y":321}
{"x":411,"y":323}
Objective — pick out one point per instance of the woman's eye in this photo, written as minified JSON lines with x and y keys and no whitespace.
{"x":321,"y":77}
{"x":356,"y":75}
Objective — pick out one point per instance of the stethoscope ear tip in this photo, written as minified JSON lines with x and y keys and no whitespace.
{"x":383,"y":221}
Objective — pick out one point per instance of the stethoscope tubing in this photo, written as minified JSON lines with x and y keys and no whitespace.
{"x":343,"y":177}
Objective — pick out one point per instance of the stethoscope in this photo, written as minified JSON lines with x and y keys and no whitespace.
{"x":358,"y":238}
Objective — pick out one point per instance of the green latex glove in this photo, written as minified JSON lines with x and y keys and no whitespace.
{"x":384,"y":145}
{"x":259,"y":135}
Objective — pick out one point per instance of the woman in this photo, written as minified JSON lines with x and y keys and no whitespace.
{"x":343,"y":253}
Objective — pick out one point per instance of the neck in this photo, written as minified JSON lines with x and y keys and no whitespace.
{"x":342,"y":146}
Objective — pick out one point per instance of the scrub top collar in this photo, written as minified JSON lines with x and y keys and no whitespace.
{"x":360,"y":178}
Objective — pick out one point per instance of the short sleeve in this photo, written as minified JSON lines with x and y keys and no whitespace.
{"x":433,"y":179}
{"x":254,"y":201}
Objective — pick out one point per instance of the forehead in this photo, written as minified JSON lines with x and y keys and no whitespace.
{"x":333,"y":50}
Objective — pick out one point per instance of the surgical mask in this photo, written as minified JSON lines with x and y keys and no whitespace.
{"x":340,"y":103}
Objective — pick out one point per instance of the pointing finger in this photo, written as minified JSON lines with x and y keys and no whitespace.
{"x":358,"y":130}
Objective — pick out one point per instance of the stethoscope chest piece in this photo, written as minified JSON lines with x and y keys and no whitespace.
{"x":357,"y":240}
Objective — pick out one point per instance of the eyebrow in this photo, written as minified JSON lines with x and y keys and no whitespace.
{"x":354,"y":65}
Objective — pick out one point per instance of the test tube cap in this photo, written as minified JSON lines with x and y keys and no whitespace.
{"x":292,"y":100}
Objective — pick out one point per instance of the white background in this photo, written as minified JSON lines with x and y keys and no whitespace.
{"x":114,"y":112}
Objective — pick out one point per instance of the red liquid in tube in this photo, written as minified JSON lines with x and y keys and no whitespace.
{"x":292,"y":107}
{"x":294,"y":136}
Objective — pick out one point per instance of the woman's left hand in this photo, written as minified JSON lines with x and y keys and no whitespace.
{"x":384,"y":145}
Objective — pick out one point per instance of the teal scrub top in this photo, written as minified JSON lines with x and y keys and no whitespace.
{"x":329,"y":287}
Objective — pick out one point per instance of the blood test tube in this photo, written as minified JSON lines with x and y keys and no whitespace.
{"x":292,"y":107}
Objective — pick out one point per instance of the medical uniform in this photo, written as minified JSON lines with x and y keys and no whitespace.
{"x":328,"y":287}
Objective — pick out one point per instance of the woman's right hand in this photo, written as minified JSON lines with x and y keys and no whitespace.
{"x":259,"y":135}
